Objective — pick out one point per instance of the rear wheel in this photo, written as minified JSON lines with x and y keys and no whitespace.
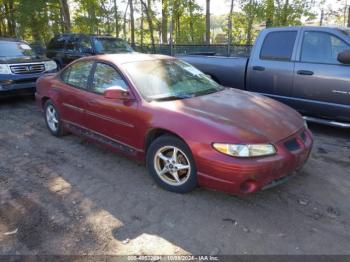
{"x":52,"y":119}
{"x":170,"y":163}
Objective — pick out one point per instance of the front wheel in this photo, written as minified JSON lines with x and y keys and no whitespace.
{"x":170,"y":163}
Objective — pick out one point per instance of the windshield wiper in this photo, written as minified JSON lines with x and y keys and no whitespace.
{"x":205,"y":92}
{"x":173,"y":97}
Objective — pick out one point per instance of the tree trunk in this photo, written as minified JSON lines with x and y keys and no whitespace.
{"x":165,"y":7}
{"x":270,"y":10}
{"x":207,"y":22}
{"x":148,"y":10}
{"x":132,"y":23}
{"x":65,"y":15}
{"x":116,"y":17}
{"x":229,"y":36}
{"x":285,"y":13}
{"x":251,"y":17}
{"x":191,"y":20}
{"x":141,"y":27}
{"x":321,"y":17}
{"x":349,"y":16}
{"x":124,"y":23}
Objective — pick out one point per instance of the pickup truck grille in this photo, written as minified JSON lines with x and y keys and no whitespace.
{"x":27,"y":68}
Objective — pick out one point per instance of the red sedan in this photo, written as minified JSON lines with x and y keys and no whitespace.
{"x":188,"y":129}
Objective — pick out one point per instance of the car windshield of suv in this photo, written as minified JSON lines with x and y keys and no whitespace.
{"x":345,"y":32}
{"x":162,"y":80}
{"x":111,"y":45}
{"x":15,"y":49}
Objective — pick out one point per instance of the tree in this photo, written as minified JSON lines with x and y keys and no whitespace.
{"x":65,"y":15}
{"x":148,"y":9}
{"x":269,"y":12}
{"x":165,"y":13}
{"x":116,"y":18}
{"x":207,"y":22}
{"x":132,"y":23}
{"x":229,"y":35}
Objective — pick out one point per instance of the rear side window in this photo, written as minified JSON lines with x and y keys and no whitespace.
{"x":57,"y":43}
{"x":78,"y":74}
{"x":278,"y":46}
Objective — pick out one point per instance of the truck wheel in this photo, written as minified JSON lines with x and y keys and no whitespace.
{"x":170,"y":163}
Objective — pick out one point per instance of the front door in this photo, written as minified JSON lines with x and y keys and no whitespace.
{"x":322,"y":84}
{"x":112,"y":118}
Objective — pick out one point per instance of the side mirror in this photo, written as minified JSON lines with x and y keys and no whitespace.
{"x":344,"y":57}
{"x":117,"y":92}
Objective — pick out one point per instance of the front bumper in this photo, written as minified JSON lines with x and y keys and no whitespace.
{"x":240,"y":176}
{"x":11,"y":84}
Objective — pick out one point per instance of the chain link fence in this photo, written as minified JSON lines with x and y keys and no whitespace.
{"x":236,"y":50}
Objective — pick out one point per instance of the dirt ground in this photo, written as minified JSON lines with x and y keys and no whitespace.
{"x":67,"y":196}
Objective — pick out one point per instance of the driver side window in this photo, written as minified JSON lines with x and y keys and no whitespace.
{"x":106,"y":76}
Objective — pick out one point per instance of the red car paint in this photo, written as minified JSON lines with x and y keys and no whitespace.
{"x":229,"y":116}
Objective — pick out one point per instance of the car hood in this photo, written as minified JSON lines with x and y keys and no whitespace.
{"x":246,"y":115}
{"x":22,"y":59}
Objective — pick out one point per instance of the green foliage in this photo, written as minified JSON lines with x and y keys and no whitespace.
{"x":40,"y":20}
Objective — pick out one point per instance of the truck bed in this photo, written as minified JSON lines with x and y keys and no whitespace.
{"x":230,"y":70}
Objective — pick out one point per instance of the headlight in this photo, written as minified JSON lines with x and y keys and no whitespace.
{"x":245,"y":150}
{"x":5,"y":69}
{"x":50,"y":65}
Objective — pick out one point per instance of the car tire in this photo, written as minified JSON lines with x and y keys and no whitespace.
{"x":59,"y":65}
{"x":170,"y":162}
{"x":53,"y":119}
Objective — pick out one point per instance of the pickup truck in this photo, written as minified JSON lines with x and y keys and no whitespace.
{"x":307,"y":68}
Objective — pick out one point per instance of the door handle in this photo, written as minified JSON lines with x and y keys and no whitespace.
{"x":258,"y":68}
{"x":305,"y":72}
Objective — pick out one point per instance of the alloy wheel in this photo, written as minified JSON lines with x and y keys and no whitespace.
{"x":172,"y":165}
{"x":51,"y":118}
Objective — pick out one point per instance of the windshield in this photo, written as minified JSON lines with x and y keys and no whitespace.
{"x":111,"y":45}
{"x":15,"y":49}
{"x":345,"y":32}
{"x":169,"y":80}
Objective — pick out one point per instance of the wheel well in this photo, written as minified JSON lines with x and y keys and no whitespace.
{"x":155,"y":133}
{"x":43,"y":101}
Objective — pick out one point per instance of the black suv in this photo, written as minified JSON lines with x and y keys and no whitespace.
{"x":20,"y":67}
{"x":65,"y":48}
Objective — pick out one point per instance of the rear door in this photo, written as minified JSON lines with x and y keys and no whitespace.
{"x":322,"y":84}
{"x":74,"y":92}
{"x":271,"y":68}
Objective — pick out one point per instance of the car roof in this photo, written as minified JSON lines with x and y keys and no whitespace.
{"x":120,"y":59}
{"x":89,"y":35}
{"x":306,"y":27}
{"x":8,"y":39}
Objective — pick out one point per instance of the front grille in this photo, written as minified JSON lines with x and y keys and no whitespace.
{"x":27,"y":68}
{"x":292,"y":144}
